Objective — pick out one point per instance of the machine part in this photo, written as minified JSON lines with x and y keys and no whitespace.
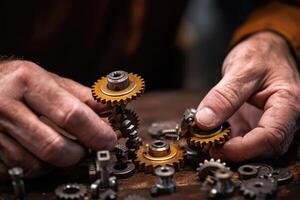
{"x":247,"y":172}
{"x":199,"y":139}
{"x":282,"y":175}
{"x":187,"y":121}
{"x":159,"y":153}
{"x":95,"y":189}
{"x":264,"y":170}
{"x":160,"y":129}
{"x":118,"y":116}
{"x":258,"y":188}
{"x":92,"y":171}
{"x":224,"y":185}
{"x":123,"y":170}
{"x":118,"y":88}
{"x":134,"y":197}
{"x":70,"y":191}
{"x":208,"y":168}
{"x":165,"y":183}
{"x":108,"y":194}
{"x":16,"y":174}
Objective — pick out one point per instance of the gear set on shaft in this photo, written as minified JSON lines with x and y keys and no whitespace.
{"x":159,"y":153}
{"x":118,"y":88}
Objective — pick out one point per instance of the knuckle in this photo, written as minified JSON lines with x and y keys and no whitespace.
{"x":225,"y":97}
{"x":70,"y":114}
{"x":52,"y":150}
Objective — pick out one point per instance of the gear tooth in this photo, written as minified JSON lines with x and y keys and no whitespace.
{"x":218,"y":160}
{"x":205,"y":161}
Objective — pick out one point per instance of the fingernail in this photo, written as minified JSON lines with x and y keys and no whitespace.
{"x":206,"y":117}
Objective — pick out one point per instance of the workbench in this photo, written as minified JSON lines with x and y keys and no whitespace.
{"x":154,"y":107}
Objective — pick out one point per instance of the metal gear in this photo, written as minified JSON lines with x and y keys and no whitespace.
{"x":70,"y":191}
{"x":159,"y":153}
{"x":199,"y":139}
{"x":258,"y":188}
{"x":118,"y":117}
{"x":208,"y":168}
{"x":118,"y":88}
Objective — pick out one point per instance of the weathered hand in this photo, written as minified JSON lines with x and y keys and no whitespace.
{"x":259,"y":94}
{"x":27,"y":92}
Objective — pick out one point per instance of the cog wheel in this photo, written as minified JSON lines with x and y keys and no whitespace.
{"x":159,"y":153}
{"x":118,"y":88}
{"x":199,"y":139}
{"x":70,"y":191}
{"x":209,"y":167}
{"x":258,"y":187}
{"x":117,"y":119}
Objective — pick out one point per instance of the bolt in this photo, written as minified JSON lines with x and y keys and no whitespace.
{"x":103,"y":160}
{"x":165,"y":183}
{"x":224,"y":184}
{"x":16,"y":175}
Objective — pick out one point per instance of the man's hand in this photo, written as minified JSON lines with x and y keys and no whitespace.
{"x":259,"y":94}
{"x":26,"y":92}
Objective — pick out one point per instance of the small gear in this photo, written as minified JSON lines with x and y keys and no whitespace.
{"x":159,"y":153}
{"x":116,"y":119}
{"x":258,"y":187}
{"x":70,"y":191}
{"x":199,"y":139}
{"x":209,"y":167}
{"x":118,"y":88}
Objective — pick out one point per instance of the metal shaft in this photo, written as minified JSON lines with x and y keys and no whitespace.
{"x":16,"y":175}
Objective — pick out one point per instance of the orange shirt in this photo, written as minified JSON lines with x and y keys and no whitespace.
{"x":279,"y":17}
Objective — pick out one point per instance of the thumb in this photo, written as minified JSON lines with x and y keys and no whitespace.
{"x":223,"y":100}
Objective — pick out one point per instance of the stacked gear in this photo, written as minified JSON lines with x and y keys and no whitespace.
{"x":117,"y":90}
{"x":159,"y":153}
{"x":198,"y":139}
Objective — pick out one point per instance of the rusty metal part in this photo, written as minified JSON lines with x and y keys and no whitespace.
{"x":119,"y":115}
{"x":115,"y":89}
{"x":70,"y":191}
{"x":224,"y":185}
{"x":282,"y":175}
{"x":209,"y":167}
{"x":247,"y":172}
{"x":199,"y":139}
{"x":159,"y":153}
{"x":165,"y":184}
{"x":264,"y":170}
{"x":16,"y":174}
{"x":258,"y":188}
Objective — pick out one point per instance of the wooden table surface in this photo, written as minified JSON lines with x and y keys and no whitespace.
{"x":155,"y":107}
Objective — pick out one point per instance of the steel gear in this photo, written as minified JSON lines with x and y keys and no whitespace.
{"x":159,"y":153}
{"x":199,"y":139}
{"x":118,"y":88}
{"x":258,"y":187}
{"x":70,"y":191}
{"x":118,"y":117}
{"x":209,"y":167}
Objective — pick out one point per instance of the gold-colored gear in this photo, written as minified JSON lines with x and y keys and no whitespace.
{"x":147,"y":160}
{"x":103,"y":94}
{"x":199,"y":140}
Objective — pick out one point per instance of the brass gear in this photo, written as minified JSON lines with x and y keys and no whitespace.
{"x":159,"y":153}
{"x":118,"y":95}
{"x":199,"y":139}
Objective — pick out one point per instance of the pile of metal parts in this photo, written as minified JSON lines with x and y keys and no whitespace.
{"x":175,"y":146}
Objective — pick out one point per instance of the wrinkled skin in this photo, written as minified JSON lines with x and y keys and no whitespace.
{"x":259,"y":95}
{"x":27,"y":92}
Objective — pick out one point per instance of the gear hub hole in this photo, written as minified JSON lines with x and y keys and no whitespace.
{"x":70,"y":190}
{"x":258,"y":185}
{"x":248,"y":169}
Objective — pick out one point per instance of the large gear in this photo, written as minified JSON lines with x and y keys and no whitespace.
{"x":159,"y":153}
{"x":209,"y":167}
{"x":117,"y":118}
{"x":199,"y":139}
{"x":118,"y":88}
